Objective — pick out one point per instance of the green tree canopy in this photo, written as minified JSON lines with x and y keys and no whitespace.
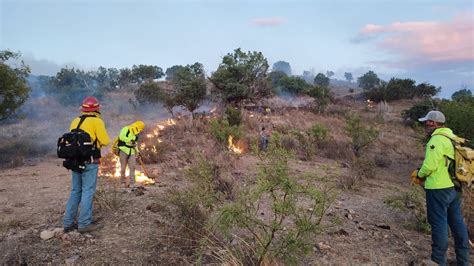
{"x":321,"y":80}
{"x":241,"y":76}
{"x":282,"y":66}
{"x":463,"y":95}
{"x":348,"y":76}
{"x":190,"y":86}
{"x":143,"y":73}
{"x":171,"y":70}
{"x":293,"y":85}
{"x":369,"y":80}
{"x":14,"y":90}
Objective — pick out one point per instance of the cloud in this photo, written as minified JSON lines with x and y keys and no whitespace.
{"x":44,"y":66}
{"x":448,"y":44}
{"x":263,"y":22}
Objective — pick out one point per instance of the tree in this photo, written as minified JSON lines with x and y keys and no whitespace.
{"x":13,"y":84}
{"x":308,"y":76}
{"x":293,"y":85}
{"x":190,"y":86}
{"x":275,"y":77}
{"x":369,"y":80}
{"x":151,"y":92}
{"x":171,"y":70}
{"x":426,"y":90}
{"x":282,"y":66}
{"x":241,"y":76}
{"x":322,"y":96}
{"x":329,"y":73}
{"x":70,"y":85}
{"x":321,"y":80}
{"x":143,"y":73}
{"x":361,"y":135}
{"x":400,"y":89}
{"x":463,"y":95}
{"x":125,"y":77}
{"x":348,"y":76}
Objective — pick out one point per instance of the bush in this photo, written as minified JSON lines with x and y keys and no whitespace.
{"x":287,"y":226}
{"x":412,"y":203}
{"x":233,"y":116}
{"x":220,"y":129}
{"x":459,"y":117}
{"x":410,"y":116}
{"x":361,"y":135}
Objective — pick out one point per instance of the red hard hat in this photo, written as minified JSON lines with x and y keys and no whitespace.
{"x":90,"y":104}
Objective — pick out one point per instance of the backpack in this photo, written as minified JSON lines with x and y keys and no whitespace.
{"x":76,"y":144}
{"x":463,"y":168}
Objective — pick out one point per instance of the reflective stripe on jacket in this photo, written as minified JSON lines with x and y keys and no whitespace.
{"x":95,"y":127}
{"x":436,"y":164}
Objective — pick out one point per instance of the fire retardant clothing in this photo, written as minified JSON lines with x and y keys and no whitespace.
{"x":95,"y":127}
{"x":443,"y":201}
{"x":84,"y":183}
{"x":127,"y":140}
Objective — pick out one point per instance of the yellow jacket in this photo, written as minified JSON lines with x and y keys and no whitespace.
{"x":95,"y":127}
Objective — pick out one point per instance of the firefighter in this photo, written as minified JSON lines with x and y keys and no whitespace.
{"x":443,"y":200}
{"x":84,"y":183}
{"x":127,"y":145}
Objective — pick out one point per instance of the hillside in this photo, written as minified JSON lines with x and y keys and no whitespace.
{"x":147,"y":226}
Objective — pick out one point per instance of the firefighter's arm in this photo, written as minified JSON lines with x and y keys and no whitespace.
{"x":433,"y":156}
{"x":101,"y":134}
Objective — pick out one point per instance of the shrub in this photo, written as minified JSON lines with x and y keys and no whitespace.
{"x":412,"y":203}
{"x":108,"y":199}
{"x":220,"y":129}
{"x":361,"y":135}
{"x":420,"y":109}
{"x":459,"y":117}
{"x":233,"y":116}
{"x":286,"y":228}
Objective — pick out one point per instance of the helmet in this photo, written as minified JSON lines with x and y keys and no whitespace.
{"x":90,"y":104}
{"x":137,"y":127}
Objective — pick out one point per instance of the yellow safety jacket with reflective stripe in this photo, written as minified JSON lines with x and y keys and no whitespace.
{"x":438,"y":156}
{"x":128,"y":138}
{"x":95,"y":127}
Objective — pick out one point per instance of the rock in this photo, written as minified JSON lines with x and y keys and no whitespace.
{"x":383,"y":226}
{"x":323,"y":246}
{"x":58,"y":231}
{"x":351,"y":211}
{"x":408,"y":243}
{"x":349,"y":216}
{"x":46,"y":234}
{"x":72,"y":260}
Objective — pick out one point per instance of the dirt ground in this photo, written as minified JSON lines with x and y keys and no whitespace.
{"x":33,"y":199}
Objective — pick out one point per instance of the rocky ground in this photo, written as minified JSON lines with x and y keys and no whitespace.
{"x":360,"y":228}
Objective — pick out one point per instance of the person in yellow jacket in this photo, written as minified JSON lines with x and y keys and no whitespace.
{"x":128,"y":138}
{"x":84,"y":183}
{"x":443,"y":201}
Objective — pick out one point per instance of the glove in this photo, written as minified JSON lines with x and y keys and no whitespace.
{"x":415,"y":180}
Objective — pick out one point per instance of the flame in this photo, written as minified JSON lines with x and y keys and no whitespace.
{"x":171,"y":122}
{"x":140,"y":177}
{"x":213,"y":110}
{"x":232,"y":147}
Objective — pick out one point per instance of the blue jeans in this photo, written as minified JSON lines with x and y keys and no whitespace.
{"x":444,"y":208}
{"x":82,"y":195}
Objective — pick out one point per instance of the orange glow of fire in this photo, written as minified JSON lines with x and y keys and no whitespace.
{"x":232,"y":146}
{"x":171,"y":122}
{"x":140,"y":177}
{"x":213,"y":110}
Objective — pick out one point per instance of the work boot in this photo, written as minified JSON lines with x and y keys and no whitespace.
{"x":69,"y":228}
{"x":90,"y":228}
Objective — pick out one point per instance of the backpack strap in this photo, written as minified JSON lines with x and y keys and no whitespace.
{"x":454,"y":138}
{"x":83,"y":117}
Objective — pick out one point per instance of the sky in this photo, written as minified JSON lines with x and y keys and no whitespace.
{"x":428,"y":41}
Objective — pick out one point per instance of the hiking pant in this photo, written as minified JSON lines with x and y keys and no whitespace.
{"x":129,"y":160}
{"x":82,"y":194}
{"x":444,"y":208}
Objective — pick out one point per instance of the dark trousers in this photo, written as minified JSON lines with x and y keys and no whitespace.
{"x":444,"y":208}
